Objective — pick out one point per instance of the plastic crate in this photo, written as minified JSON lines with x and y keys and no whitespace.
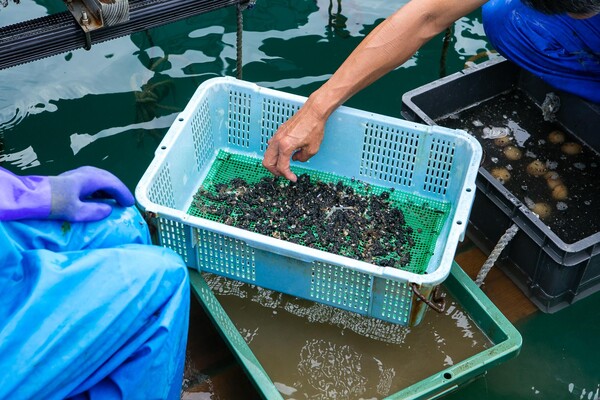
{"x":552,"y":273}
{"x":430,"y":167}
{"x":505,"y":342}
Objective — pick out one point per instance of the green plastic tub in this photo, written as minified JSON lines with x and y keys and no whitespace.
{"x":505,"y":341}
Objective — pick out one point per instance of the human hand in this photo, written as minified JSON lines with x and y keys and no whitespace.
{"x":299,"y":138}
{"x":75,"y":194}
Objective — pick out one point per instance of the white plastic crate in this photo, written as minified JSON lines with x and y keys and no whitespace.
{"x":434,"y":165}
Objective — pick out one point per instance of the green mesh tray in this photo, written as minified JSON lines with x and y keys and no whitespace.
{"x":424,"y":216}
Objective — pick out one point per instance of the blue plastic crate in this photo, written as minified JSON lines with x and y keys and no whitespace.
{"x":433,"y":165}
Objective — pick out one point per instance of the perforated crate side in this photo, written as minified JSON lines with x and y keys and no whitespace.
{"x":439,"y":165}
{"x":274,"y":112}
{"x":202,"y":135}
{"x":392,"y":301}
{"x":225,"y":256}
{"x":389,"y":154}
{"x":160,"y":190}
{"x":340,"y":287}
{"x":172,"y":234}
{"x":325,"y":283}
{"x":238,"y":118}
{"x":250,"y":117}
{"x":178,"y":237}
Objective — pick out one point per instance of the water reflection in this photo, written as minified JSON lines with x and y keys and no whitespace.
{"x":311,"y":350}
{"x":109,"y":106}
{"x":337,"y":21}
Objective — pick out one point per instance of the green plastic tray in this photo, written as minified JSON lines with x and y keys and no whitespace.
{"x":506,"y":341}
{"x":424,"y":215}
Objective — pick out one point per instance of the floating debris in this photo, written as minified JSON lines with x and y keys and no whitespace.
{"x":495,"y":132}
{"x":550,"y":107}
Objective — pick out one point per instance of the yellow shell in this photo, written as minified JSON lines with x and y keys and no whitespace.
{"x":512,"y":153}
{"x":571,"y":148}
{"x":543,"y":210}
{"x":556,"y":137}
{"x":536,"y":168}
{"x":501,"y":174}
{"x":560,"y":192}
{"x":552,"y":179}
{"x":502,"y":141}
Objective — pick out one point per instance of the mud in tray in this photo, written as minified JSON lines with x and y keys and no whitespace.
{"x":540,"y":171}
{"x":357,"y":356}
{"x":428,"y":172}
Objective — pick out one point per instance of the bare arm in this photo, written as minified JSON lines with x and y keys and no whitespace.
{"x":388,"y":46}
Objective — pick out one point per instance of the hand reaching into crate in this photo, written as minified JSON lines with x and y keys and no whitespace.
{"x":573,"y":68}
{"x":389,"y":45}
{"x":299,"y":138}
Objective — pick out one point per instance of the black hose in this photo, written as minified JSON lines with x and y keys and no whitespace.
{"x":59,"y":33}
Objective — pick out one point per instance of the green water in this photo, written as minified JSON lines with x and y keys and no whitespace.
{"x":90,"y":107}
{"x":559,"y":359}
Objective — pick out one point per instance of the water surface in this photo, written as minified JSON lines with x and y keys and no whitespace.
{"x":110,"y":106}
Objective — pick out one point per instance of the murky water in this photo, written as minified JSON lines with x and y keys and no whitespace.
{"x":315,"y":351}
{"x":563,"y":187}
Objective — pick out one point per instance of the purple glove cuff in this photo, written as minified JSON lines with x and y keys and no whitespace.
{"x":23,"y":197}
{"x":87,"y":194}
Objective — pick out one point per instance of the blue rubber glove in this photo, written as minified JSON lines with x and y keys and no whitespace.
{"x":81,"y":194}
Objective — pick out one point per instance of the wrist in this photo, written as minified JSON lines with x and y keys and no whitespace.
{"x":39,"y":203}
{"x":24,"y":197}
{"x":322,"y":104}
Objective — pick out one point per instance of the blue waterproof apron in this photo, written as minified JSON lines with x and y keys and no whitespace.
{"x":90,"y":310}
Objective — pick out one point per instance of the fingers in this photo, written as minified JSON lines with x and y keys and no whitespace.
{"x":96,"y":179}
{"x":302,"y":155}
{"x":299,"y":138}
{"x":91,"y":212}
{"x":270,"y":158}
{"x":277,"y":161}
{"x":283,"y":165}
{"x":120,"y":193}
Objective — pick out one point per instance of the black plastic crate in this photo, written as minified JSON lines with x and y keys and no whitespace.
{"x":552,"y":273}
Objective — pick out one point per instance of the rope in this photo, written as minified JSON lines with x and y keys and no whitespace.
{"x":238,"y":41}
{"x":445,"y":45}
{"x":238,"y":35}
{"x":489,"y":263}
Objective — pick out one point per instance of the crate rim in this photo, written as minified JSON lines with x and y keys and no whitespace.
{"x":459,"y":217}
{"x":407,"y":97}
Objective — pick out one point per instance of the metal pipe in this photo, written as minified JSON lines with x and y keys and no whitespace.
{"x":59,"y":33}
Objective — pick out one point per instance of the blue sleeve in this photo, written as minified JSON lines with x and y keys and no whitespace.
{"x":561,"y":50}
{"x":23,"y":197}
